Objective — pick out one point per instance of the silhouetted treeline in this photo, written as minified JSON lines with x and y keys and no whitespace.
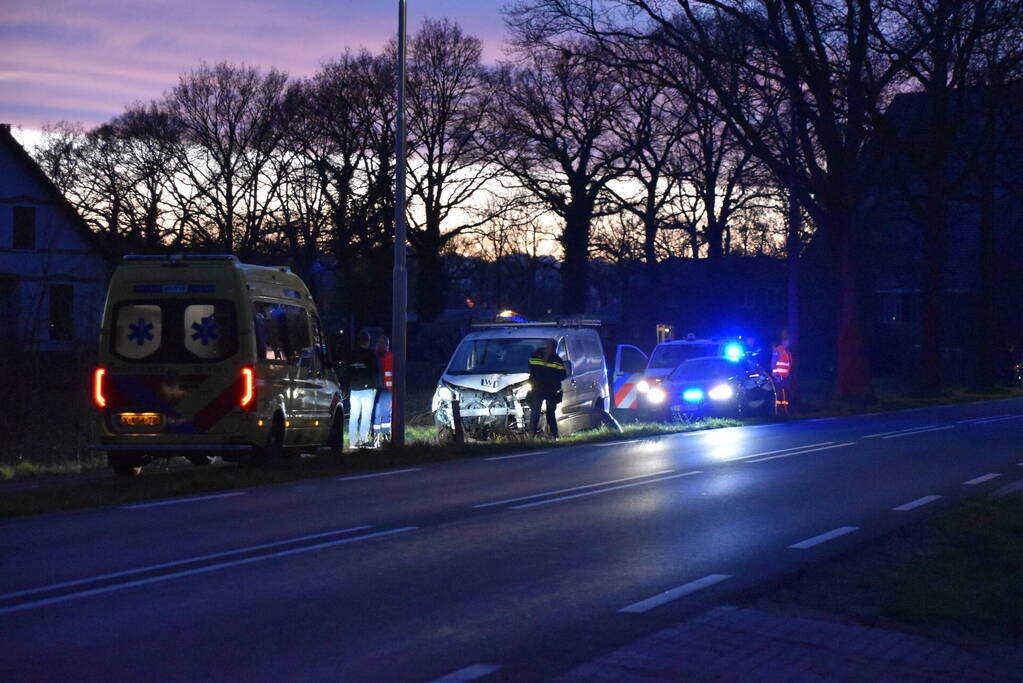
{"x":617,"y":129}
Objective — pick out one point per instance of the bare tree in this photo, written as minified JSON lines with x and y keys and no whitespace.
{"x":232,"y":119}
{"x":448,"y":102}
{"x":817,"y":54}
{"x":556,"y":111}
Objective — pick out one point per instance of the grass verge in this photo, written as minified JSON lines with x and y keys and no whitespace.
{"x":152,"y":485}
{"x":952,"y":577}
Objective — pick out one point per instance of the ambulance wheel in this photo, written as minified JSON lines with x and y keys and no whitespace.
{"x":200,"y":459}
{"x":273,"y":450}
{"x":445,"y":436}
{"x":125,"y":464}
{"x":336,"y":439}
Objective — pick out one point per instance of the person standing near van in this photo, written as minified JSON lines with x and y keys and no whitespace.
{"x":546,"y":372}
{"x":385,"y":397}
{"x":781,"y":370}
{"x":364,"y":377}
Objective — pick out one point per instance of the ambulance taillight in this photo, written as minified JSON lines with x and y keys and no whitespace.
{"x":248,"y":395}
{"x":98,"y":397}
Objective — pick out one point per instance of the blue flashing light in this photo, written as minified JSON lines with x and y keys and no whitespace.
{"x":692,"y":395}
{"x":733,"y":352}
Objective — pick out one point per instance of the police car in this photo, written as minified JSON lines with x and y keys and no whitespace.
{"x":692,"y":378}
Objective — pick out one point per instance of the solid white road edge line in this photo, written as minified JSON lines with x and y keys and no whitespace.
{"x":981,"y":479}
{"x":198,"y":570}
{"x":377,"y":474}
{"x":998,"y":419}
{"x":913,"y":504}
{"x":605,"y":490}
{"x":517,"y":455}
{"x":780,"y":450}
{"x":898,"y":431}
{"x":176,"y":501}
{"x":573,"y":488}
{"x":808,"y":450}
{"x":178,"y":563}
{"x":469,"y":673}
{"x":674,"y":594}
{"x":918,"y":431}
{"x":611,"y":443}
{"x":823,"y":538}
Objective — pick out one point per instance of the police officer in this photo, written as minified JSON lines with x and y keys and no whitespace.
{"x":781,"y":370}
{"x":546,"y":371}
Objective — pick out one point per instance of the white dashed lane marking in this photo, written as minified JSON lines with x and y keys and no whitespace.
{"x":918,"y":431}
{"x":178,"y":501}
{"x":570,"y":489}
{"x":807,"y":450}
{"x":981,"y":479}
{"x":897,"y":431}
{"x":674,"y":594}
{"x":913,"y":504}
{"x":469,"y":673}
{"x":517,"y":455}
{"x":825,"y":537}
{"x":604,"y":490}
{"x":377,"y":474}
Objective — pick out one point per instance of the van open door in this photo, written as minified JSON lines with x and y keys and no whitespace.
{"x":630,"y":365}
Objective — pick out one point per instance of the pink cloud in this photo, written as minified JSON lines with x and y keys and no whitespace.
{"x":87,"y":60}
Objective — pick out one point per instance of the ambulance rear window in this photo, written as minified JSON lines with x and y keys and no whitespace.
{"x":175,"y":331}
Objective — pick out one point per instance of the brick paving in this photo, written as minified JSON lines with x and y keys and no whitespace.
{"x":740,"y":644}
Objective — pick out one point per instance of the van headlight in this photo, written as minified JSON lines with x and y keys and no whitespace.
{"x":521,"y":391}
{"x":656,"y":395}
{"x":642,"y":386}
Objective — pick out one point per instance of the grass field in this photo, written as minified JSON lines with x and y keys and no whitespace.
{"x":954,"y":576}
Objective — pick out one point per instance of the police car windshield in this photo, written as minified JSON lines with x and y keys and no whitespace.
{"x":705,"y":369}
{"x":493,"y":356}
{"x":670,"y":355}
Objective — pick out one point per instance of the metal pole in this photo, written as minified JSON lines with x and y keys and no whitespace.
{"x":400,"y":292}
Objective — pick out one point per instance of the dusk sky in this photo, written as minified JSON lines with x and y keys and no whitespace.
{"x":84,"y":60}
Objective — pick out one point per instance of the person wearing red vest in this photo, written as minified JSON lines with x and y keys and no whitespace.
{"x":781,"y":370}
{"x":385,"y":397}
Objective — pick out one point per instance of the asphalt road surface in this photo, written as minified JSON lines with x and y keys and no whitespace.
{"x":504,"y":568}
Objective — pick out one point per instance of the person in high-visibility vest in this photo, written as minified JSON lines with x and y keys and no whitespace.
{"x":385,"y":397}
{"x":781,"y":370}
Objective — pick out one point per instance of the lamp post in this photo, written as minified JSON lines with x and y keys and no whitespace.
{"x":399,"y":300}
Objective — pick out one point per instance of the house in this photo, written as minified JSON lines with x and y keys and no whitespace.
{"x":53,"y":273}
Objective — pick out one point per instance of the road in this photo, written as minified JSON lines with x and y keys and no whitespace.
{"x":509,"y":568}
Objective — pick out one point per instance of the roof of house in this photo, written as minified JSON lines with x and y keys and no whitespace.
{"x":7,"y":139}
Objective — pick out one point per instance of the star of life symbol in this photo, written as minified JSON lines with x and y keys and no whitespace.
{"x":141,"y":332}
{"x":205,"y":331}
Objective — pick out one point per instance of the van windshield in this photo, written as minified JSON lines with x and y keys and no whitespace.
{"x":705,"y":370}
{"x":493,"y":356}
{"x":175,"y":331}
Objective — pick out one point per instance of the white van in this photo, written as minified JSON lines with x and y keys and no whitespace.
{"x":489,"y":376}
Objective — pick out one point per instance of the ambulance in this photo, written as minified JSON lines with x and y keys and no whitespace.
{"x":202,"y":355}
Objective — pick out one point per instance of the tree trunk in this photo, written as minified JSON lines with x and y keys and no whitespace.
{"x":431,"y":285}
{"x":986,"y":260}
{"x":853,"y":361}
{"x":575,"y":241}
{"x":932,"y":305}
{"x":792,"y":247}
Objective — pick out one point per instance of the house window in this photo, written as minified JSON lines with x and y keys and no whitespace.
{"x":24,"y":227}
{"x":62,"y":298}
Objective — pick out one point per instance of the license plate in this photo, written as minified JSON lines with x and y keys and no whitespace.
{"x":141,"y":419}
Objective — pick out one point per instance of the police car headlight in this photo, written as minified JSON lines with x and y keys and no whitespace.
{"x":721,"y":392}
{"x":643,"y":386}
{"x":656,"y":395}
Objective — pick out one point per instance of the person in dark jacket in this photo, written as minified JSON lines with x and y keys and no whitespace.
{"x":364,"y":379}
{"x":546,"y":371}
